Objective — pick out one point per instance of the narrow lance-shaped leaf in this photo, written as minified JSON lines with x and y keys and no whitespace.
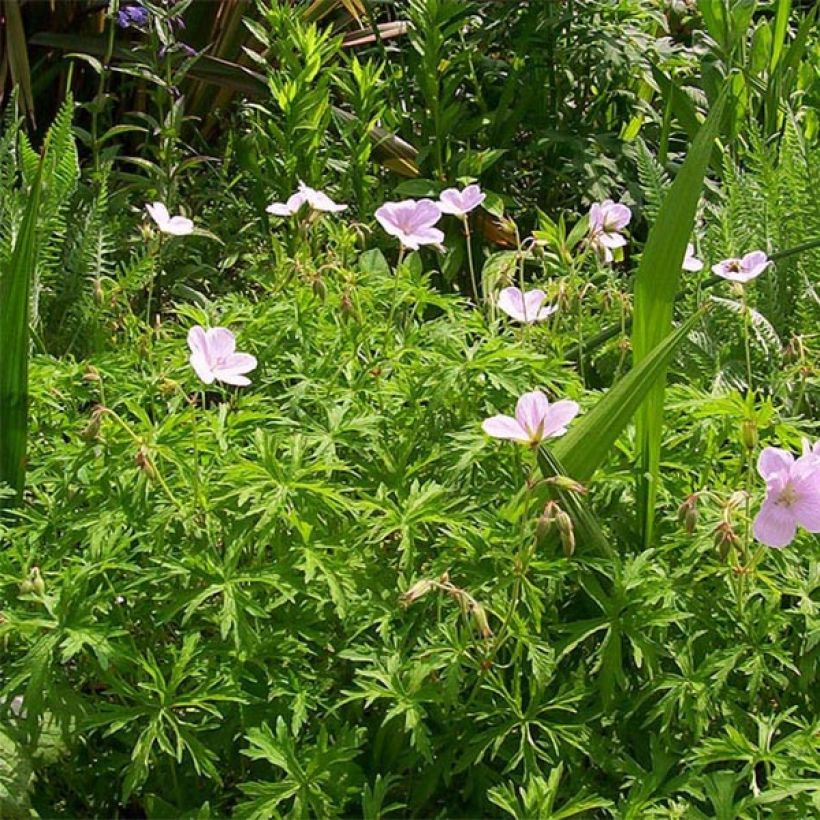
{"x":656,"y":286}
{"x":15,"y":288}
{"x":591,"y":437}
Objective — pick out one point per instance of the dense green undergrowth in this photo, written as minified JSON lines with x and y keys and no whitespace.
{"x":330,"y":592}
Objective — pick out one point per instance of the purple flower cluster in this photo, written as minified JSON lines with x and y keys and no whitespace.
{"x":133,"y":17}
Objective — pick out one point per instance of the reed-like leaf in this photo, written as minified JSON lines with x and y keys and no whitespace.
{"x":656,"y":287}
{"x":15,"y":288}
{"x":591,"y":437}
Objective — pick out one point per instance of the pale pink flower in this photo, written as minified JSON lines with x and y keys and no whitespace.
{"x":792,"y":497}
{"x":690,"y":262}
{"x":460,"y":203}
{"x":525,"y":306}
{"x":317,"y":200}
{"x":214,"y":356}
{"x":811,"y":450}
{"x":175,"y":225}
{"x":411,"y":222}
{"x":742,"y":270}
{"x":535,"y":419}
{"x":606,"y":221}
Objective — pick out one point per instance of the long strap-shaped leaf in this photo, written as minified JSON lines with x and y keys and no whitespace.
{"x":15,"y":288}
{"x":656,"y":286}
{"x":590,"y":439}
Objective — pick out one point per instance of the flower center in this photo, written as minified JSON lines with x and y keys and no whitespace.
{"x":733,"y":266}
{"x":788,"y":495}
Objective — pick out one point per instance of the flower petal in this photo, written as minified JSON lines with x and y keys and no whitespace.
{"x":197,"y":341}
{"x":511,"y":301}
{"x":231,"y":377}
{"x":240,"y":363}
{"x":221,"y":342}
{"x":179,"y":226}
{"x":774,"y":525}
{"x":199,"y":362}
{"x":558,"y":416}
{"x":158,"y":212}
{"x":530,"y":412}
{"x":278,"y":209}
{"x":505,"y":427}
{"x":773,"y":461}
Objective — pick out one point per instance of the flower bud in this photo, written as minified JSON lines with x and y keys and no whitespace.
{"x":748,"y":434}
{"x":567,"y":532}
{"x":91,"y":374}
{"x":144,"y":463}
{"x":725,"y":539}
{"x":688,"y":514}
{"x":566,"y":483}
{"x":319,"y":287}
{"x":546,"y":520}
{"x":346,"y":305}
{"x":418,"y":590}
{"x":92,"y":429}
{"x":34,"y":584}
{"x":480,"y":617}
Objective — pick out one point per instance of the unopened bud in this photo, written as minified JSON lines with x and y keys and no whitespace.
{"x":319,"y":287}
{"x":168,"y":386}
{"x":546,"y":519}
{"x":92,"y":429}
{"x":725,"y":539}
{"x":418,"y":590}
{"x":91,"y":374}
{"x":567,"y":532}
{"x":688,"y":514}
{"x":346,"y":305}
{"x":34,"y":584}
{"x":480,"y":617}
{"x":566,"y":483}
{"x":144,"y":463}
{"x":748,"y":434}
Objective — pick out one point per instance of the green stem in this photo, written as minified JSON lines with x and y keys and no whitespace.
{"x":473,"y":280}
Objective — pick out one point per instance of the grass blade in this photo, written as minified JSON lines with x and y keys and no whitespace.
{"x":15,"y":289}
{"x":656,"y":287}
{"x":590,"y":438}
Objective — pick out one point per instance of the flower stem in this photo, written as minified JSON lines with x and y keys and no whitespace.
{"x":470,"y":263}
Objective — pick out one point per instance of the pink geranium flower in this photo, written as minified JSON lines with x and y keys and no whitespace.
{"x":792,"y":497}
{"x":175,"y":225}
{"x":525,"y":306}
{"x":690,"y":262}
{"x":460,"y":203}
{"x":214,"y":356}
{"x":535,"y":419}
{"x":606,"y":221}
{"x":742,"y":270}
{"x":411,"y":222}
{"x":811,"y":450}
{"x":305,"y":195}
